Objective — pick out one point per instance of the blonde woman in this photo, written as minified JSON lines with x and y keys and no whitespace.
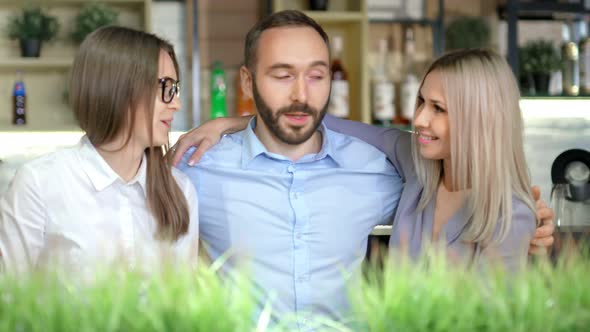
{"x":113,"y":197}
{"x":470,"y":188}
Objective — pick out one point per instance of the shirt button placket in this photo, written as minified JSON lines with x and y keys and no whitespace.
{"x":300,"y":246}
{"x":127,"y":226}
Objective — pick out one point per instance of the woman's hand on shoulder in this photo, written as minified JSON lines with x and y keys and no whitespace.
{"x":543,"y":238}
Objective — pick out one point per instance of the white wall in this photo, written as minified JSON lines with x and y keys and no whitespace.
{"x":169,"y":22}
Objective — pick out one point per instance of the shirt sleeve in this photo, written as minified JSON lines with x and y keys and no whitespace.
{"x":512,"y":252}
{"x":394,"y":143}
{"x":22,"y":222}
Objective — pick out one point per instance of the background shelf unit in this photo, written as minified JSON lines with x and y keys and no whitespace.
{"x":46,"y":78}
{"x":516,"y":10}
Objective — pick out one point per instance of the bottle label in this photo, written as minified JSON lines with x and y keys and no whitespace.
{"x":339,"y":104}
{"x":571,"y":77}
{"x":218,"y":96}
{"x":19,"y":116}
{"x":19,"y":99}
{"x":19,"y":89}
{"x":383,"y":96}
{"x":409,"y":93}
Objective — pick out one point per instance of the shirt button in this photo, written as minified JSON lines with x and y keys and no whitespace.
{"x":295,"y":195}
{"x":291,"y":168}
{"x":302,"y":278}
{"x":298,"y":236}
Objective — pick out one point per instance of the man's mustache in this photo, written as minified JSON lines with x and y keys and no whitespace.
{"x":297,"y":108}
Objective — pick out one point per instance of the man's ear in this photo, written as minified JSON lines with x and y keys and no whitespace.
{"x":246,"y":82}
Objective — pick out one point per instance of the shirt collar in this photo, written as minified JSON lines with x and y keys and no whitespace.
{"x":252,"y":147}
{"x":100,"y":173}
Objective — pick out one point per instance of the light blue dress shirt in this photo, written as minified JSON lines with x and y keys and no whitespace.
{"x":299,"y":228}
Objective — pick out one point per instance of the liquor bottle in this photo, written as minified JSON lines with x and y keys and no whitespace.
{"x":318,"y":4}
{"x":410,"y":84}
{"x":19,"y":116}
{"x":383,"y":89}
{"x":570,"y":63}
{"x":584,"y":48}
{"x":339,"y":95}
{"x":218,"y":91}
{"x":244,"y":104}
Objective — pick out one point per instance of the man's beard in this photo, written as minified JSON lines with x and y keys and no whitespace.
{"x":291,"y":135}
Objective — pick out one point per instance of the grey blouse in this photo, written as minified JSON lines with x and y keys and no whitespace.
{"x":413,"y":228}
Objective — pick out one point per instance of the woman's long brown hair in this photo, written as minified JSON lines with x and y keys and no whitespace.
{"x":114,"y":75}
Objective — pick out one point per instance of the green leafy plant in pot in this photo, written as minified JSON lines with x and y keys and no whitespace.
{"x":467,"y":32}
{"x":538,"y":59}
{"x":92,"y":17}
{"x":31,"y":28}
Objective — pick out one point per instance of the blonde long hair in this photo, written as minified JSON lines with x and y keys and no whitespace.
{"x":486,"y":133}
{"x":115,"y":73}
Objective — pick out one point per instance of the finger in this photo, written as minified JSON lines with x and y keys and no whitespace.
{"x":536,"y":191}
{"x":545,"y":242}
{"x":546,"y":215}
{"x":180,"y":148}
{"x":544,"y":231}
{"x":199,"y":152}
{"x":537,"y":251}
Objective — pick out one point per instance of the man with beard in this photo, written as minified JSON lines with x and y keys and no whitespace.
{"x":290,"y":200}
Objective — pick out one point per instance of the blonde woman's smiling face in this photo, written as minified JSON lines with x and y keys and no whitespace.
{"x":431,"y":119}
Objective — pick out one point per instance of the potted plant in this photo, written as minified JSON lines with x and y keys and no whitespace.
{"x":467,"y":32}
{"x":92,"y":17}
{"x":31,"y":28}
{"x":539,"y":58}
{"x":525,"y":79}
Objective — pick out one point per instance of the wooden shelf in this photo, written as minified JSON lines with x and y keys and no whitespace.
{"x":8,"y":129}
{"x":66,"y":2}
{"x":544,"y":10}
{"x":556,"y":97}
{"x":35,"y":64}
{"x":331,"y":16}
{"x":423,"y":21}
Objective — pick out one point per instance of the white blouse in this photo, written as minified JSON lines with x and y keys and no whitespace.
{"x":71,"y":208}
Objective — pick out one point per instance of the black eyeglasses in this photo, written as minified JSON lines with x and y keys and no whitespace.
{"x":170,"y":88}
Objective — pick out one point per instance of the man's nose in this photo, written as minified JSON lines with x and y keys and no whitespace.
{"x":299,"y":93}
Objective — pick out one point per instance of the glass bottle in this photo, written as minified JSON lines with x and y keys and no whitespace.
{"x":339,"y":94}
{"x":218,"y":91}
{"x":570,"y":63}
{"x":383,"y":89}
{"x":19,"y":96}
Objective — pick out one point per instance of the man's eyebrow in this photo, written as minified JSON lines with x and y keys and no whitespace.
{"x":319,"y":63}
{"x":280,"y":65}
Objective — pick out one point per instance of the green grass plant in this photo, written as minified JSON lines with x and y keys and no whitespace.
{"x":174,"y":300}
{"x":437,"y":295}
{"x":431,"y":295}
